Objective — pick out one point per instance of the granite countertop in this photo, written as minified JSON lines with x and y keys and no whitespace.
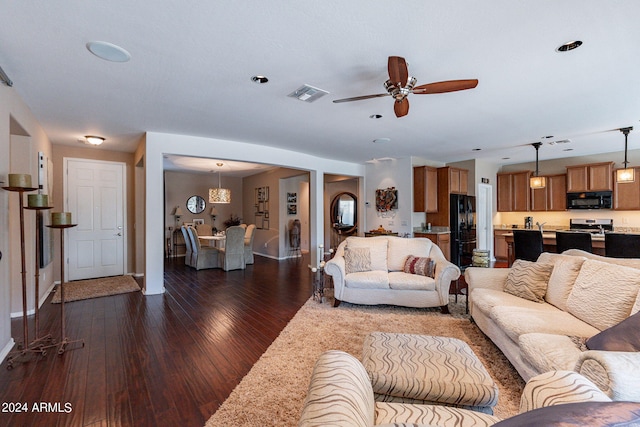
{"x":434,"y":230}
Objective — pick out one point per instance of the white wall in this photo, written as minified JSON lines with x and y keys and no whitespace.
{"x":396,"y":173}
{"x":158,"y":144}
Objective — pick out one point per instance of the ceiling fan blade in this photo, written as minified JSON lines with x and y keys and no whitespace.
{"x":359,"y":98}
{"x":446,"y":86}
{"x":398,"y":72}
{"x":401,"y":108}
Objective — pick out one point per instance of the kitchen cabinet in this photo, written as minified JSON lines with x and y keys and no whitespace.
{"x":626,"y":195}
{"x":458,"y":180}
{"x":425,"y":189}
{"x":450,"y":181}
{"x":513,"y":191}
{"x":443,"y":240}
{"x":500,"y":247}
{"x":553,"y":197}
{"x":591,"y":177}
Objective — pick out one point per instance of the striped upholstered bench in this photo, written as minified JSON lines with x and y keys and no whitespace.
{"x":408,"y":368}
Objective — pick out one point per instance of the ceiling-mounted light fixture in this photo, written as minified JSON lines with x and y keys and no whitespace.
{"x":219,"y":195}
{"x":536,"y":181}
{"x":94,"y":140}
{"x":626,"y":174}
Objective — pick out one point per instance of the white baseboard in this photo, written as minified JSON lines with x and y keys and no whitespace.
{"x":6,"y":349}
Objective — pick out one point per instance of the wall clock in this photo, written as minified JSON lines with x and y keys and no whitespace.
{"x":195,"y":204}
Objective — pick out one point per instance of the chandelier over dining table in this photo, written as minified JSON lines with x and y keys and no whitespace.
{"x":219,"y":194}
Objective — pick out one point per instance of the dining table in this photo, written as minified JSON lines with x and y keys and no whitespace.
{"x":216,"y":241}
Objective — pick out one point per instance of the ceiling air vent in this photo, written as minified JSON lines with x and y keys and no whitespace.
{"x":308,"y":93}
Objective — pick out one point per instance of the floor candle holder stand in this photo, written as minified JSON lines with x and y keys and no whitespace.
{"x":24,"y":349}
{"x":45,"y":341}
{"x":64,"y":340}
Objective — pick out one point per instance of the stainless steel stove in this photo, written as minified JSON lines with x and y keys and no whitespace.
{"x":591,"y":225}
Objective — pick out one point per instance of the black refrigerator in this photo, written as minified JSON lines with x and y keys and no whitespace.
{"x":463,"y":229}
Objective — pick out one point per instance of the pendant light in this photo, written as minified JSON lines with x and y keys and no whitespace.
{"x":626,"y":174}
{"x":219,"y":195}
{"x":536,"y":182}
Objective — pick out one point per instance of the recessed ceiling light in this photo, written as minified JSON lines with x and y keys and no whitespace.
{"x":569,"y":46}
{"x":108,"y":51}
{"x":568,"y":149}
{"x":375,"y":116}
{"x":506,"y":158}
{"x":476,"y":149}
{"x":259,"y":79}
{"x":547,"y":137}
{"x":381,"y":140}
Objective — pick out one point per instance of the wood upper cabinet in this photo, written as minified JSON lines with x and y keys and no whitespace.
{"x":457,"y":180}
{"x":425,"y":189}
{"x":626,"y":195}
{"x":513,"y":191}
{"x":551,"y":198}
{"x":591,"y":177}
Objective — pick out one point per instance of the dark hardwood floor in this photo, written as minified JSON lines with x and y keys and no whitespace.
{"x":159,"y":360}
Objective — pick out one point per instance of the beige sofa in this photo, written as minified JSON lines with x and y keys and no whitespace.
{"x":385,"y":282}
{"x":585,"y":295}
{"x":340,"y":394}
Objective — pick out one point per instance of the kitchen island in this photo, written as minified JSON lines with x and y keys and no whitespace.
{"x":549,"y":244}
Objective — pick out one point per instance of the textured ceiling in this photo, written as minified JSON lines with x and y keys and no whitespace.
{"x":192,"y":64}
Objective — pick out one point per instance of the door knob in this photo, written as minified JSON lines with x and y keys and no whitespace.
{"x":119,"y":234}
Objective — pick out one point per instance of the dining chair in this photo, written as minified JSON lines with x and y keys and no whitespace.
{"x":232,"y":255}
{"x":187,"y":243}
{"x":573,"y":240}
{"x":204,"y":230}
{"x":619,"y":245}
{"x":248,"y":243}
{"x":527,"y":244}
{"x":202,"y":256}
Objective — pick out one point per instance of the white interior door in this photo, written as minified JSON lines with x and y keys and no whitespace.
{"x":484,"y":215}
{"x":95,"y":198}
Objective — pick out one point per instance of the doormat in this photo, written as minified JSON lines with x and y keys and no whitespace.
{"x":94,"y":288}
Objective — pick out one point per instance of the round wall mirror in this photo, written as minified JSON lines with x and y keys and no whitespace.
{"x":195,"y":204}
{"x":344,"y":213}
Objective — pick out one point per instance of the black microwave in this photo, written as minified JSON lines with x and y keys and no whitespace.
{"x":589,"y":200}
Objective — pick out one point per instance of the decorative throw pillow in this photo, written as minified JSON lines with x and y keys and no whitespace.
{"x":356,"y":260}
{"x":625,"y":336}
{"x":424,"y":266}
{"x":528,"y":280}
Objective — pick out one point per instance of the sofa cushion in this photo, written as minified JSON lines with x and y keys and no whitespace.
{"x":528,"y":280}
{"x":485,"y":299}
{"x":549,"y":352}
{"x":399,"y":249}
{"x":406,"y":281}
{"x":516,"y":321}
{"x":356,"y":260}
{"x":604,"y":293}
{"x":377,"y":249}
{"x":367,"y":280}
{"x":563,"y":276}
{"x":424,"y":266}
{"x":625,"y":336}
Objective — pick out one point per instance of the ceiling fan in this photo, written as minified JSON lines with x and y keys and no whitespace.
{"x":400,"y":85}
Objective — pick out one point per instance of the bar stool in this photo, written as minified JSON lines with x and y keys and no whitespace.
{"x":617,"y":245}
{"x":573,"y":240}
{"x":527,"y":244}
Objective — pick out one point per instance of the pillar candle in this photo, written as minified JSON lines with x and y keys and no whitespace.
{"x":20,"y":180}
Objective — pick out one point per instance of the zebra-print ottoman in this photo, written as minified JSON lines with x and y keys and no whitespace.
{"x":409,"y":368}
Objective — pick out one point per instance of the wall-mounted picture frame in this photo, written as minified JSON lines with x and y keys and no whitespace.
{"x":292,"y":197}
{"x":386,"y":199}
{"x":198,"y":221}
{"x":292,"y":209}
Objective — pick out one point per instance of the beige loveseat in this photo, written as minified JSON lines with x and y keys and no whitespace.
{"x":340,"y":394}
{"x":585,"y":294}
{"x":385,"y":282}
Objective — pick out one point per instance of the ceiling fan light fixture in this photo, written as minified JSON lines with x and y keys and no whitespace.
{"x":627,"y":174}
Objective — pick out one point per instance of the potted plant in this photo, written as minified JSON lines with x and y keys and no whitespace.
{"x":233,"y":220}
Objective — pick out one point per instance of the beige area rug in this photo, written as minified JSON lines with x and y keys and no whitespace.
{"x":273,"y":392}
{"x":94,"y":288}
